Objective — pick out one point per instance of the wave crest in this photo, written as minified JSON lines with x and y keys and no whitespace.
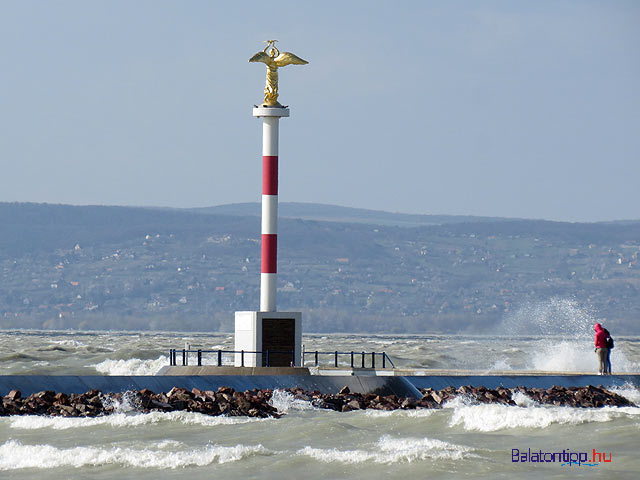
{"x":132,"y":366}
{"x":14,"y":456}
{"x":389,"y":450}
{"x":122,"y":420}
{"x":491,"y":418}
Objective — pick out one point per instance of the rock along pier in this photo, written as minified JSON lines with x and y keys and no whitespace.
{"x":257,"y":403}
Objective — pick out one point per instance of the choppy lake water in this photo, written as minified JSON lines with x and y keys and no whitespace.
{"x":462,"y":439}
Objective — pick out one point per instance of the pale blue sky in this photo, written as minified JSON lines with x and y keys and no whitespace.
{"x":502,"y":108}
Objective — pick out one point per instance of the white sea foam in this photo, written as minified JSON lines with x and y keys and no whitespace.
{"x":564,"y":356}
{"x":284,"y":402}
{"x":132,"y":366}
{"x":460,"y":401}
{"x":501,"y":364}
{"x":389,"y":450}
{"x":557,"y":315}
{"x":512,"y":350}
{"x":576,"y":356}
{"x":491,"y":418}
{"x":417,"y":413}
{"x":570,"y":348}
{"x":126,"y":403}
{"x":169,"y":444}
{"x":69,"y":343}
{"x":620,"y":362}
{"x":122,"y":420}
{"x":523,"y":400}
{"x":384,"y":342}
{"x":629,"y":392}
{"x":14,"y":455}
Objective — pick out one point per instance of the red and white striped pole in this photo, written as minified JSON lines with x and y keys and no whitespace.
{"x":270,"y":123}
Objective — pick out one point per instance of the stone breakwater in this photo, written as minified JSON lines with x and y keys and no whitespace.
{"x":94,"y":403}
{"x":576,"y":397}
{"x":256,"y":403}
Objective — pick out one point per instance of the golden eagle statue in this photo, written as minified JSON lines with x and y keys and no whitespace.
{"x":273,"y":59}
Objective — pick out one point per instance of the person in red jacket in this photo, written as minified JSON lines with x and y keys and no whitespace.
{"x":601,"y":348}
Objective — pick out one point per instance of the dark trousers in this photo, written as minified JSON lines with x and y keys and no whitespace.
{"x":602,"y":360}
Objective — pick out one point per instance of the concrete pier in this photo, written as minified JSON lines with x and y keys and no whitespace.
{"x":326,"y":381}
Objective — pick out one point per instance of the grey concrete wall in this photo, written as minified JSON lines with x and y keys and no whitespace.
{"x":28,"y":384}
{"x":510,"y":381}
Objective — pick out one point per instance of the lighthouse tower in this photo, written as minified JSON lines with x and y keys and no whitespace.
{"x":267,"y":337}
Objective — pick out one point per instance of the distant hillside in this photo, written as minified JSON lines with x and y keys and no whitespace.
{"x":29,"y":227}
{"x":97,"y":267}
{"x":334,"y":213}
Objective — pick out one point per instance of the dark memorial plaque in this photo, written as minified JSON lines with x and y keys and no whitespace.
{"x":278,"y":338}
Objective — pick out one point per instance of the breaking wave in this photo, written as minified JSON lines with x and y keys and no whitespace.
{"x":571,"y":356}
{"x":629,"y":392}
{"x":132,"y":366}
{"x":14,"y":455}
{"x":389,"y":450}
{"x":491,"y":418}
{"x":284,"y":402}
{"x":123,"y":420}
{"x":418,"y":413}
{"x":563,"y":331}
{"x":564,"y":356}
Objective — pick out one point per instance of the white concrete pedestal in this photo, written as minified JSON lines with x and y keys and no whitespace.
{"x":279,"y":333}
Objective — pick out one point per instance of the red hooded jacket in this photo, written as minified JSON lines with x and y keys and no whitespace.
{"x":601,"y":337}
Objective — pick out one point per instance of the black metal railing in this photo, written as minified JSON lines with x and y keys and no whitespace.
{"x":355,"y":359}
{"x":336,"y":358}
{"x":220,"y":357}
